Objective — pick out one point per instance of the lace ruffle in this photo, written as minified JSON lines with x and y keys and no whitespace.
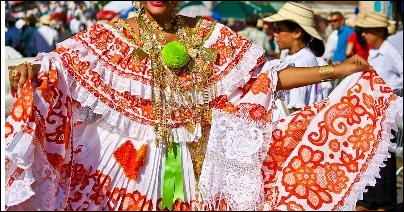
{"x":233,"y":161}
{"x":394,"y":115}
{"x":110,"y":79}
{"x":278,"y":66}
{"x":91,"y":104}
{"x":20,"y":151}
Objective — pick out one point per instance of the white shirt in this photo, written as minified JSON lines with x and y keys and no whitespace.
{"x":302,"y":96}
{"x":331,"y":45}
{"x":388,"y":63}
{"x":298,"y":97}
{"x":397,"y":41}
{"x":75,"y":26}
{"x":325,"y":86}
{"x":44,"y":39}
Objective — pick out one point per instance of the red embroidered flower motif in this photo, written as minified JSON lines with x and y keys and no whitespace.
{"x":261,"y":85}
{"x":21,"y":110}
{"x":335,"y":177}
{"x":362,"y":138}
{"x":349,"y":162}
{"x":79,"y":176}
{"x":293,"y":206}
{"x":258,"y":112}
{"x":101,"y":187}
{"x":353,"y":116}
{"x":9,"y":129}
{"x":302,"y":175}
{"x":334,"y":145}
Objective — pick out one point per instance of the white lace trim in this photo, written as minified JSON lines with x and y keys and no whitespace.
{"x":110,"y":79}
{"x":394,"y":115}
{"x":91,"y":104}
{"x":21,"y":152}
{"x":240,"y":74}
{"x":233,"y":161}
{"x":280,"y":66}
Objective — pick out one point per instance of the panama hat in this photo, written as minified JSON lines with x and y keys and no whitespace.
{"x":45,"y":20}
{"x":391,"y":29}
{"x":299,"y":14}
{"x":373,"y":20}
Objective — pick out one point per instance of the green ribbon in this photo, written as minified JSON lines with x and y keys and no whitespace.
{"x":173,"y":185}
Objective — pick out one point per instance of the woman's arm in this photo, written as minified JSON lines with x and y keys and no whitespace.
{"x":349,"y":49}
{"x":294,"y":77}
{"x":289,"y":78}
{"x":350,"y":45}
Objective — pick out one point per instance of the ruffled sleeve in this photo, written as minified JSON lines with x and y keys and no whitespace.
{"x":92,"y":73}
{"x":241,"y":124}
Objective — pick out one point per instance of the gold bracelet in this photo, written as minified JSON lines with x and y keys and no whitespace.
{"x":326,"y":70}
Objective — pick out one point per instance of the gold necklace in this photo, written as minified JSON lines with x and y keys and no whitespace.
{"x":169,"y":95}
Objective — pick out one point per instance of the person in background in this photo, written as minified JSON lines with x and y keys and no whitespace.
{"x":396,"y":39}
{"x":330,"y":46}
{"x":356,"y":42}
{"x":13,"y":34}
{"x":337,"y":21}
{"x":45,"y":37}
{"x":26,"y":37}
{"x":255,"y":35}
{"x":388,"y":63}
{"x":300,"y":44}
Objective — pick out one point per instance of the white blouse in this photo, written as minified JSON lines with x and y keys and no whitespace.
{"x":388,"y":63}
{"x":302,"y":96}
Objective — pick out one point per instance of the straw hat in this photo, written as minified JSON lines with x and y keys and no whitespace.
{"x":45,"y":20}
{"x":373,"y":20}
{"x":299,"y":14}
{"x":391,"y":29}
{"x":260,"y":23}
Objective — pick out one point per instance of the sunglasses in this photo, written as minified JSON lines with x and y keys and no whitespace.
{"x":335,"y":20}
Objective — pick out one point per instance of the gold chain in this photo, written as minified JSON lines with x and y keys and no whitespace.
{"x":167,"y":83}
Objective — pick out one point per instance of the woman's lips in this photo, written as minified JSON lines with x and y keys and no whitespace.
{"x":157,"y":3}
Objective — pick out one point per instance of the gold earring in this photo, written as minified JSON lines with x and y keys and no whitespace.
{"x":138,"y":5}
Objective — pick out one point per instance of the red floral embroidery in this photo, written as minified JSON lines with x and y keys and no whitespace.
{"x":9,"y":129}
{"x":362,"y":138}
{"x":293,"y":206}
{"x":261,"y":85}
{"x":334,"y":145}
{"x":335,"y":177}
{"x":302,"y":176}
{"x":349,"y":162}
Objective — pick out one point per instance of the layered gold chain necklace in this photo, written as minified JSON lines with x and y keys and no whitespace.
{"x":170,"y":94}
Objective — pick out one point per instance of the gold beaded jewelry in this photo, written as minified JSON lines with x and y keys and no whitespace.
{"x":180,"y":97}
{"x":138,"y":5}
{"x":326,"y":70}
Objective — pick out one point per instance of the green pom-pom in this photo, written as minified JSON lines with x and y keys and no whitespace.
{"x":175,"y":55}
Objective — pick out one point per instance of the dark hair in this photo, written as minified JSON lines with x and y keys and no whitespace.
{"x":337,"y":13}
{"x":361,"y":40}
{"x":385,"y":33}
{"x":251,"y":19}
{"x":315,"y":45}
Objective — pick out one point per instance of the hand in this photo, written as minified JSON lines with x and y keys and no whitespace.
{"x":354,"y":64}
{"x":19,"y":74}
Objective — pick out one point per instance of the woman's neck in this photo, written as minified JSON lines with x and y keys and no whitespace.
{"x":378,"y":43}
{"x":161,"y":20}
{"x":295,"y":49}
